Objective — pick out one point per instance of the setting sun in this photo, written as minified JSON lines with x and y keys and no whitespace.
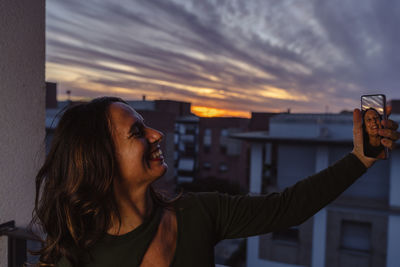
{"x":215,"y":112}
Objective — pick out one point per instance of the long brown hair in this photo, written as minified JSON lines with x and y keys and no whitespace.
{"x":75,"y":201}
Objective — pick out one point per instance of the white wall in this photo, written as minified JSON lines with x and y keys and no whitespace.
{"x":294,"y":163}
{"x":393,"y":256}
{"x":320,"y":219}
{"x":22,"y":108}
{"x":311,"y":129}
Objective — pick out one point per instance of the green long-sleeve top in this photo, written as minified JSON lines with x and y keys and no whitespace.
{"x":204,"y":219}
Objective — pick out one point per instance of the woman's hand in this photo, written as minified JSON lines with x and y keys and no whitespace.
{"x":389,"y":134}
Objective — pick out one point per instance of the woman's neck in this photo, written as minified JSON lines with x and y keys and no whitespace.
{"x":134,"y":207}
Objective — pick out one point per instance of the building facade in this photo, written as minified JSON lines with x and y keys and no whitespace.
{"x":220,"y":156}
{"x":360,"y":228}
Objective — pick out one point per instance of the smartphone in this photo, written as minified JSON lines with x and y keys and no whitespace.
{"x":373,"y":110}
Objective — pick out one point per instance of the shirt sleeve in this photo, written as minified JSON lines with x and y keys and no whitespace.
{"x":243,"y":216}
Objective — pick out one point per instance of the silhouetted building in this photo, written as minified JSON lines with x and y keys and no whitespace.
{"x":179,"y":108}
{"x":221,"y":156}
{"x":186,"y":148}
{"x":260,"y":121}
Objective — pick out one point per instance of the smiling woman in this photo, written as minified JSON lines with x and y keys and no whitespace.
{"x":100,"y":150}
{"x":96,"y":203}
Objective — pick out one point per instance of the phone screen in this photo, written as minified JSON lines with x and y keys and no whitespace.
{"x":373,"y":110}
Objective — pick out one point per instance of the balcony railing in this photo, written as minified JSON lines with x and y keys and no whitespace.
{"x":20,"y":241}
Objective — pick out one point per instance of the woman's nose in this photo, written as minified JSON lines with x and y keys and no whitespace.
{"x":154,"y":135}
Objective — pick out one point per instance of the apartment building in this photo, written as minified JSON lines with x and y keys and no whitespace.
{"x":221,"y":156}
{"x":360,"y":228}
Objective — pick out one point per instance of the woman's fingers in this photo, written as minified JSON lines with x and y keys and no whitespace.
{"x":388,"y":110}
{"x":388,"y":133}
{"x":390,"y":124}
{"x":388,"y":143}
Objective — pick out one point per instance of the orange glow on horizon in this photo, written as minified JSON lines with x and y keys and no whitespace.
{"x":202,"y":111}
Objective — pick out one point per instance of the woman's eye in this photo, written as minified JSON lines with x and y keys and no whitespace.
{"x":136,"y":132}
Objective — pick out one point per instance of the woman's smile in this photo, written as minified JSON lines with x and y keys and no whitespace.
{"x":156,"y":155}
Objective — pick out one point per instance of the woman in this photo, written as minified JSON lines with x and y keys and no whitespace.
{"x":372,"y":140}
{"x":98,"y":206}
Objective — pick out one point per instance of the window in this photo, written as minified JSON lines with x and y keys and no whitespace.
{"x":190,"y":149}
{"x":207,"y":140}
{"x":290,"y":235}
{"x":207,"y":137}
{"x":224,"y":133}
{"x":191,"y":130}
{"x":207,"y":165}
{"x":186,"y":164}
{"x":223,"y":141}
{"x":355,"y":236}
{"x":223,"y":167}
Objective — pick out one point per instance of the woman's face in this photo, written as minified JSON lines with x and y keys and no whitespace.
{"x":372,"y":122}
{"x":137,"y":146}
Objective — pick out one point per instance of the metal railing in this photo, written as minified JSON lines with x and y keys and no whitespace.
{"x":19,"y":241}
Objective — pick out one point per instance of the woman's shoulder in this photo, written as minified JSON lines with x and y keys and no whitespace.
{"x":197,"y":203}
{"x":191,"y":198}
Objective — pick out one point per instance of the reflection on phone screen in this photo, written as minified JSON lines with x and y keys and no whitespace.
{"x":373,"y":112}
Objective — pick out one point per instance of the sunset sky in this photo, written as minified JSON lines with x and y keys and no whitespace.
{"x":226,"y":57}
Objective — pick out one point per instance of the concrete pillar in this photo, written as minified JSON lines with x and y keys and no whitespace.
{"x":393,"y":235}
{"x":253,"y":243}
{"x":22,"y":108}
{"x":255,"y":188}
{"x":268,"y":153}
{"x":320,"y":219}
{"x":256,"y":167}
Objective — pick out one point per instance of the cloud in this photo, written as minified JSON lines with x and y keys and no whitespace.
{"x":267,"y":55}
